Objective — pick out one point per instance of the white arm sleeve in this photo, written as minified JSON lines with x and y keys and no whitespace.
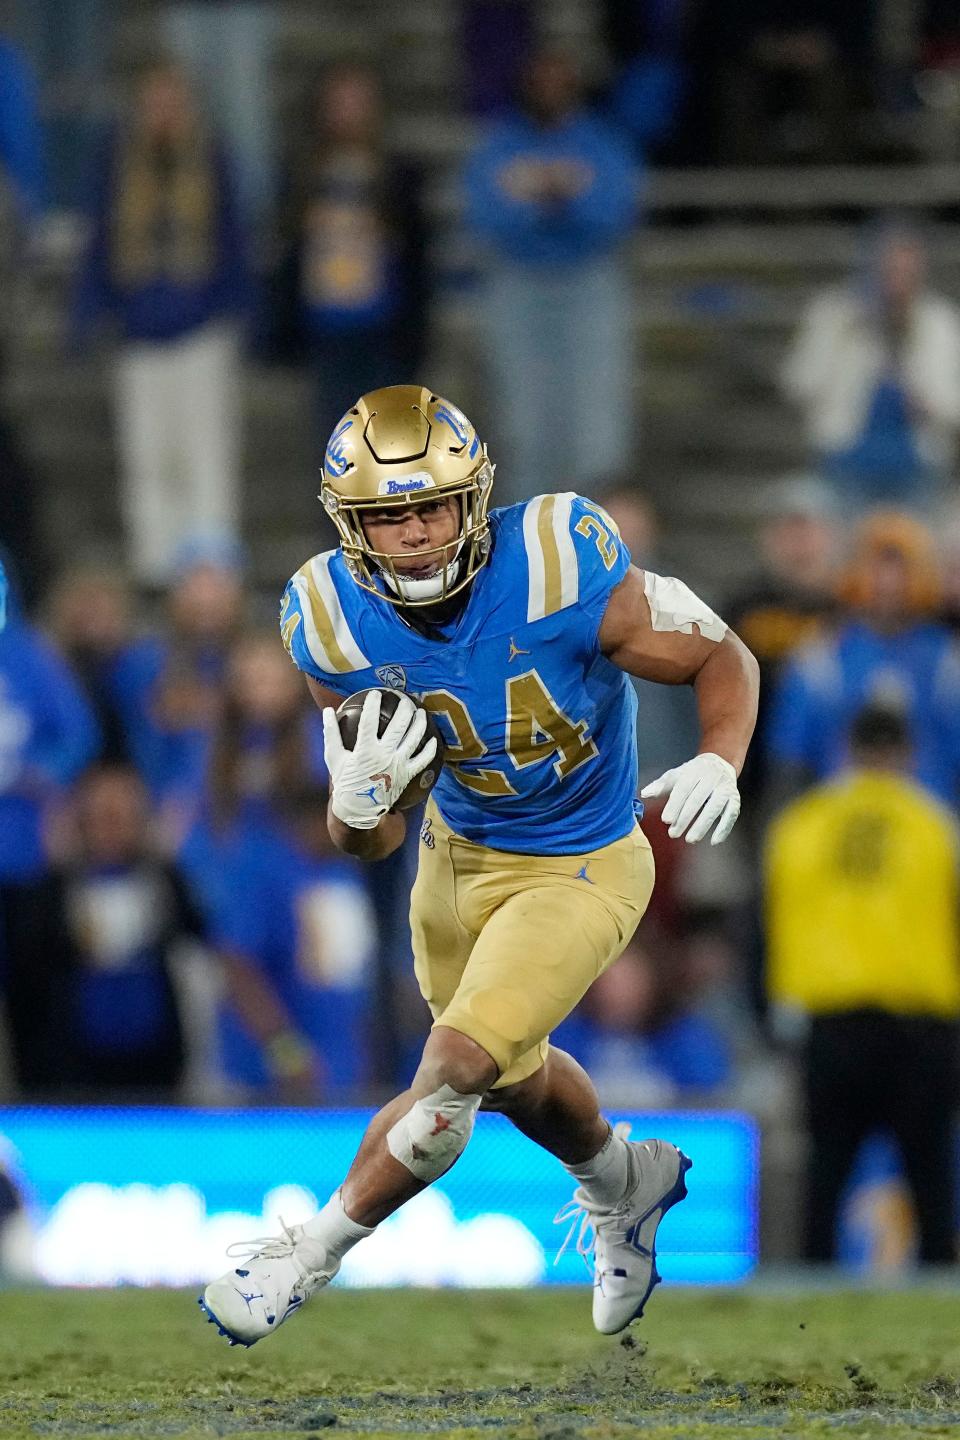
{"x":673,"y":606}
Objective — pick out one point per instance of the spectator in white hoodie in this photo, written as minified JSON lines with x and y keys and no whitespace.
{"x":875,"y":370}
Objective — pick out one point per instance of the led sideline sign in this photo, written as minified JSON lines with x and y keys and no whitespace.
{"x":98,"y":1180}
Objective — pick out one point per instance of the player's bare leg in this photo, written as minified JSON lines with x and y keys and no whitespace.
{"x":626,"y":1187}
{"x":377,"y":1183}
{"x":408,"y":1144}
{"x":558,"y":1108}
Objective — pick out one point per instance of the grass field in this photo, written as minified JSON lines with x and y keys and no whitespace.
{"x":524,"y":1365}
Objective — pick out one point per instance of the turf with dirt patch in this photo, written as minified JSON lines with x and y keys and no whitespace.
{"x":518,"y":1365}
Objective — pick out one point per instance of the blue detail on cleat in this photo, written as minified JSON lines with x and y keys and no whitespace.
{"x":242,"y":1273}
{"x":633,"y":1242}
{"x":221,"y":1330}
{"x":676,"y":1193}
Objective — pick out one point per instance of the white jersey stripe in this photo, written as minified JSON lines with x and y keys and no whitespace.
{"x":315,"y":645}
{"x":326,"y":631}
{"x":320,"y":565}
{"x":553,"y":573}
{"x":536,"y":590}
{"x":569,"y":572}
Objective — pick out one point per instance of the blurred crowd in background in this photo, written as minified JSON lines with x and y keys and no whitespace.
{"x":174,"y":923}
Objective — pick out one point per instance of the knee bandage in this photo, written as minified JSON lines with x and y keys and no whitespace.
{"x":433,"y":1132}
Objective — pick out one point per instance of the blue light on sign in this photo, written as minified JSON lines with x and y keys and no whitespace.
{"x":98,"y":1180}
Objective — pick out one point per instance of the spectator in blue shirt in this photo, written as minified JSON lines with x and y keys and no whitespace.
{"x":891,"y":651}
{"x":90,"y":992}
{"x":168,"y":685}
{"x":166,"y":260}
{"x":89,"y":617}
{"x":267,"y":743}
{"x":47,"y":735}
{"x":874,"y":370}
{"x":297,"y":940}
{"x":351,"y":292}
{"x":551,"y":197}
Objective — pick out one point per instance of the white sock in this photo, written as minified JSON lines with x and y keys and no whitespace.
{"x":606,"y":1177}
{"x":331,"y":1233}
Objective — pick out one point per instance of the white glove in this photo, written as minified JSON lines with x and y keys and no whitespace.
{"x":371,"y":777}
{"x":703,"y":790}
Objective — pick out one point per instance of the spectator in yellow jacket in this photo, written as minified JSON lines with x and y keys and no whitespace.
{"x":863,"y":939}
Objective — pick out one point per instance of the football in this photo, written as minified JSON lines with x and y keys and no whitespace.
{"x":348,"y":716}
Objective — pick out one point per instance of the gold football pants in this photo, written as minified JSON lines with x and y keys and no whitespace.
{"x":506,"y":945}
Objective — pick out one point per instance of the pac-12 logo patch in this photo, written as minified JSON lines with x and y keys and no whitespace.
{"x":393,"y":676}
{"x":427,"y":835}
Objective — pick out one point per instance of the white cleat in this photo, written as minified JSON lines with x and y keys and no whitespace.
{"x":621,"y":1240}
{"x":269,"y":1286}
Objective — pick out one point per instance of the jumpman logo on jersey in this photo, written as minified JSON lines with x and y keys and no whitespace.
{"x":582,"y":873}
{"x":515,"y":651}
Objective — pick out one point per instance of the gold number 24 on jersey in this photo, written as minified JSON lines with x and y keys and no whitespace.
{"x":536,"y":729}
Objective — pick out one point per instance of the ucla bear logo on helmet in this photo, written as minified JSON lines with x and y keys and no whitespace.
{"x":459,"y":424}
{"x":456,"y":421}
{"x":393,"y":676}
{"x":335,"y":461}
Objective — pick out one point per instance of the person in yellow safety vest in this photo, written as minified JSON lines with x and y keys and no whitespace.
{"x":863,"y":940}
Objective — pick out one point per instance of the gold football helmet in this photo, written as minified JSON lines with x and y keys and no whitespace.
{"x":396,"y":447}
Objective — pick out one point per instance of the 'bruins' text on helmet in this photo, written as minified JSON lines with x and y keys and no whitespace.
{"x":393,"y":448}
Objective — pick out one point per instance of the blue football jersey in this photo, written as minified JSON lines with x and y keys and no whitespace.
{"x":540,"y":726}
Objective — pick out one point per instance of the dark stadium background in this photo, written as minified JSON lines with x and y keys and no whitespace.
{"x":773,"y":156}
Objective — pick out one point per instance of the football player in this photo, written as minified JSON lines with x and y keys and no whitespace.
{"x":515,"y":629}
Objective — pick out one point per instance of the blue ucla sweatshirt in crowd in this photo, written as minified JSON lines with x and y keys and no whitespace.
{"x":160,"y":306}
{"x":47,"y":736}
{"x":827,"y":683}
{"x":535,"y":232}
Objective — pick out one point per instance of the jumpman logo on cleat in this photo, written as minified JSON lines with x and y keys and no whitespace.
{"x":515,"y":651}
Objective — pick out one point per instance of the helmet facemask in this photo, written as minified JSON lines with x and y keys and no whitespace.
{"x":459,"y":559}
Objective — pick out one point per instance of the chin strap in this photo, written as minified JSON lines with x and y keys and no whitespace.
{"x":431,"y":588}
